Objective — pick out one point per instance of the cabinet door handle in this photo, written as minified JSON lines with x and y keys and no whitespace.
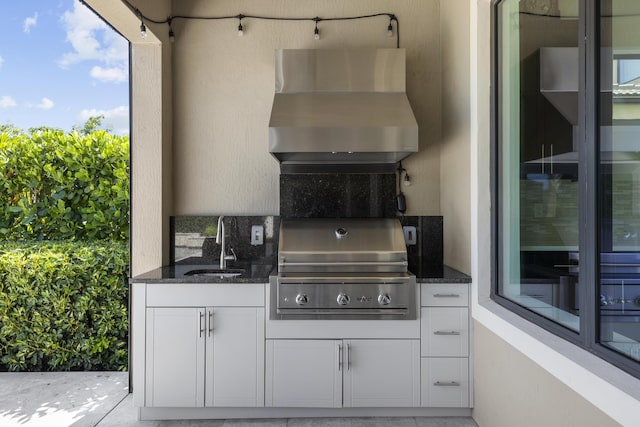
{"x":447,"y":384}
{"x":446,"y":333}
{"x":339,"y":357}
{"x":446,"y":295}
{"x":201,"y":323}
{"x":210,"y":322}
{"x":348,"y":356}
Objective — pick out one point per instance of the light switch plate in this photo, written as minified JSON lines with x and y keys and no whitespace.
{"x":410,"y":237}
{"x":257,"y":235}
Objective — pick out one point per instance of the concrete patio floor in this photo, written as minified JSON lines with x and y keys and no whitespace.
{"x":55,"y":399}
{"x":89,"y":399}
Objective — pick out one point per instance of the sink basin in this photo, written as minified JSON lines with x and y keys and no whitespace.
{"x":215,"y":272}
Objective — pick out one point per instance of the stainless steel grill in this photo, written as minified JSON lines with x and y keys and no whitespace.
{"x":342,"y":269}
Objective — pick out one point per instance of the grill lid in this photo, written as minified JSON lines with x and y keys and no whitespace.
{"x":341,"y":245}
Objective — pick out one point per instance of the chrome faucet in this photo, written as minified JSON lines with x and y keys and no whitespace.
{"x":220,"y":239}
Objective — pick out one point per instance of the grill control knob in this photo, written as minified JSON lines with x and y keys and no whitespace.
{"x":302,"y":299}
{"x":384,"y":299}
{"x":343,"y":299}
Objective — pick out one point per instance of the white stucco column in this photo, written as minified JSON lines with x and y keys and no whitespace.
{"x":151,"y":118}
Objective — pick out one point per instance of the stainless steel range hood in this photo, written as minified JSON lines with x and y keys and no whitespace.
{"x":559,"y":78}
{"x":341,"y":107}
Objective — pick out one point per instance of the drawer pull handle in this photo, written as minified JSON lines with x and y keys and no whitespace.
{"x":446,"y":295}
{"x":446,"y":333}
{"x":447,"y":384}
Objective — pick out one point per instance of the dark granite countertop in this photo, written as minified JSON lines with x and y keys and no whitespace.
{"x":253,"y":272}
{"x":445,"y":275}
{"x":258,"y":272}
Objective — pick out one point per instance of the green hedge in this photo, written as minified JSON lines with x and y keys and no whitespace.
{"x":57,"y":185}
{"x":63,"y":306}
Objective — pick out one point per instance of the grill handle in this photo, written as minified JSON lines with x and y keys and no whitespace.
{"x":343,"y":311}
{"x":340,"y":264}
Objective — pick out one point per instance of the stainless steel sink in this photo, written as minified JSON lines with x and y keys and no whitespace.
{"x":215,"y":272}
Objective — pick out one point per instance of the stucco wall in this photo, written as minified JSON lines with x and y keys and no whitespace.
{"x":151,"y":131}
{"x":224,"y":84}
{"x":511,"y":390}
{"x":454,"y":144}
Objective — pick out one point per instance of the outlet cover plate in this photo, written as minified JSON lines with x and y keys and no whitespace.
{"x":257,"y":235}
{"x":410,"y":236}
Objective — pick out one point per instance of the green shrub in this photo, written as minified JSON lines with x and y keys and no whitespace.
{"x":57,"y":185}
{"x":63,"y":306}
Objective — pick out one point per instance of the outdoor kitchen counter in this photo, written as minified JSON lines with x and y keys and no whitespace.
{"x":253,"y":273}
{"x":445,"y":275}
{"x":259,"y":273}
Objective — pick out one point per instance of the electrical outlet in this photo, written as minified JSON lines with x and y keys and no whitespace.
{"x":410,"y":237}
{"x":257,"y":235}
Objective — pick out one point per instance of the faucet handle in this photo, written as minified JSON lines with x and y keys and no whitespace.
{"x":233,"y":256}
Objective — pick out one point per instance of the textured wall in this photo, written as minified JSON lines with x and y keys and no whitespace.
{"x":224,"y":84}
{"x":511,"y":390}
{"x":454,"y":146}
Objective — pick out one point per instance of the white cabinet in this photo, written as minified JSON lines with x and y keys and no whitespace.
{"x":342,"y":373}
{"x":445,"y":382}
{"x":445,"y":331}
{"x":381,"y":373}
{"x":235,"y":358}
{"x":444,"y":318}
{"x":204,"y":356}
{"x":175,"y":357}
{"x":304,"y":373}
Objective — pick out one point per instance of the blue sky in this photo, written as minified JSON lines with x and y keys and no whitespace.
{"x":59,"y":65}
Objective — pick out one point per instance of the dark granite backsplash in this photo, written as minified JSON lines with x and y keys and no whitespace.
{"x":193,"y":239}
{"x":309,"y":196}
{"x":338,"y":195}
{"x":425,"y":257}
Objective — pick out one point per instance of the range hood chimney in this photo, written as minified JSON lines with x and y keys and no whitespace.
{"x":341,"y":110}
{"x":560,"y":75}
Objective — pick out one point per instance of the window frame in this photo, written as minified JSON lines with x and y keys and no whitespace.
{"x":589,"y":166}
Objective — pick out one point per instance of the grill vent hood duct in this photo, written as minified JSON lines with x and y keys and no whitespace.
{"x":340,"y":108}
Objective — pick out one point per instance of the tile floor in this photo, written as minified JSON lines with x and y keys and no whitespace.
{"x":89,"y":399}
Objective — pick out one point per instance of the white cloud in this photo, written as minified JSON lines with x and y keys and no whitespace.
{"x":92,"y":40}
{"x":29,"y":22}
{"x":7,"y":102}
{"x":116,"y":119}
{"x":1,"y":61}
{"x":113,"y":74}
{"x":45,"y":104}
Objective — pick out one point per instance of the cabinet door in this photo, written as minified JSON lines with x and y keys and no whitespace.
{"x":235,"y":357}
{"x":304,"y":373}
{"x":382,"y":373}
{"x":175,"y":342}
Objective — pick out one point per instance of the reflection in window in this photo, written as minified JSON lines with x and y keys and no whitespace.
{"x":579,"y":279}
{"x":619,"y":199}
{"x":538,"y":158}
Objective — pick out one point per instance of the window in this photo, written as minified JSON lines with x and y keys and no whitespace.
{"x":567,"y":170}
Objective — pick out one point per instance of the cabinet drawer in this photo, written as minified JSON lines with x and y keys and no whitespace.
{"x":445,"y":382}
{"x":445,"y":331}
{"x":444,"y":294}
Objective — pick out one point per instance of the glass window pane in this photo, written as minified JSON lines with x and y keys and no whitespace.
{"x":538,"y":157}
{"x":620,"y":177}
